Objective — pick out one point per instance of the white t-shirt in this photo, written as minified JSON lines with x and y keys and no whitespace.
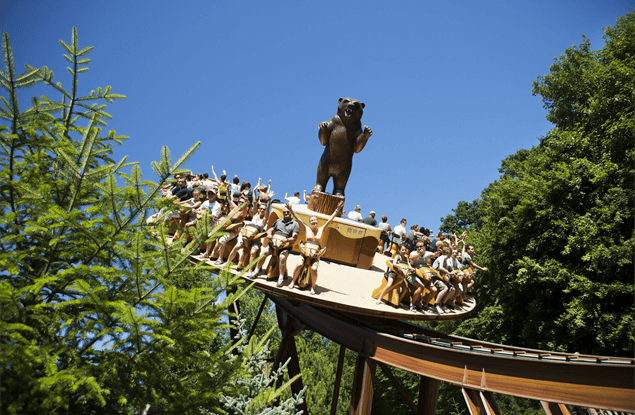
{"x":213,"y":208}
{"x":293,"y":200}
{"x":355,"y":215}
{"x":401,"y":231}
{"x":445,"y":261}
{"x":209,"y":184}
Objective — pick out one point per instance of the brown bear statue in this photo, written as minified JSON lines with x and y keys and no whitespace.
{"x":342,"y":136}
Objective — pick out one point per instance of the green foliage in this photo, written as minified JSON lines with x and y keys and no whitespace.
{"x":98,"y":314}
{"x":556,"y":230}
{"x":467,"y":216}
{"x":386,"y":398}
{"x":249,"y":306}
{"x":257,"y":394}
{"x":317,"y":355}
{"x":318,"y":360}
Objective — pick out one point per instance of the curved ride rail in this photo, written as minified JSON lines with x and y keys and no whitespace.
{"x":580,"y":380}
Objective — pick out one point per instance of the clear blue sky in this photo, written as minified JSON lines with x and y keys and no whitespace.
{"x":447,"y":85}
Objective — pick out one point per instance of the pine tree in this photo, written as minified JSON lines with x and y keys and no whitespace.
{"x":98,"y":313}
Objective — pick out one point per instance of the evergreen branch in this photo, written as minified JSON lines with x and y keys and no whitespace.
{"x":186,"y":156}
{"x":87,"y":143}
{"x":9,"y":64}
{"x":30,"y":73}
{"x":74,"y":73}
{"x":75,"y":41}
{"x":8,"y":109}
{"x":115,"y":210}
{"x":27,"y":83}
{"x":84,"y":51}
{"x":121,"y":164}
{"x":58,"y":87}
{"x":68,"y":48}
{"x":7,"y":57}
{"x":70,"y":162}
{"x":137,"y":261}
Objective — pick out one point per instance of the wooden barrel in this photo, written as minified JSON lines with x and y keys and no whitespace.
{"x":323,"y":202}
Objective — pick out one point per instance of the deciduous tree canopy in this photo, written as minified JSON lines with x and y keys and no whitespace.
{"x":556,"y":230}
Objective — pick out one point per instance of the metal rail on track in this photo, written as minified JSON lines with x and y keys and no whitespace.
{"x":423,"y":335}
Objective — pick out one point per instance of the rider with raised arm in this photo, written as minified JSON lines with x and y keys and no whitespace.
{"x":314,"y":234}
{"x":259,"y":221}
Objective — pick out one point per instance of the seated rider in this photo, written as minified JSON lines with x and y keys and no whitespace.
{"x":444,"y":264}
{"x":259,"y":220}
{"x":293,"y":200}
{"x":399,"y":233}
{"x":466,"y":262}
{"x":419,"y":259}
{"x":385,"y":233}
{"x":262,"y":193}
{"x":212,"y":206}
{"x":412,"y":237}
{"x":189,"y":219}
{"x":239,"y":215}
{"x":287,"y":230}
{"x":401,"y":258}
{"x":313,"y":233}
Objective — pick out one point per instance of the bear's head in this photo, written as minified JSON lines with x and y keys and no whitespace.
{"x":350,"y":110}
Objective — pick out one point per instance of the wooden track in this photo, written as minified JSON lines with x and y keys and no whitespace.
{"x":348,"y":289}
{"x":478,"y":367}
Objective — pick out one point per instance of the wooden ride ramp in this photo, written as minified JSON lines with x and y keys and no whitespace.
{"x":348,"y":289}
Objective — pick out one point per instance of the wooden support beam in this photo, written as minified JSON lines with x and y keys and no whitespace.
{"x":428,"y":396}
{"x":473,"y":401}
{"x":234,"y":310}
{"x":286,"y":335}
{"x":294,"y":369}
{"x":338,"y":380}
{"x":480,"y":402}
{"x":362,"y":393}
{"x":489,"y":403}
{"x":398,"y":386}
{"x":552,"y":408}
{"x":253,"y":327}
{"x":288,"y":350}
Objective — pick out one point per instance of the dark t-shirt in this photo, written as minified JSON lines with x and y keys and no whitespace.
{"x":421,"y":261}
{"x":286,"y":229}
{"x":182,"y":193}
{"x":369,"y":220}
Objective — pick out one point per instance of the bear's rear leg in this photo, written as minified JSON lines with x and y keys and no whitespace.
{"x":339,"y":182}
{"x":322,"y":178}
